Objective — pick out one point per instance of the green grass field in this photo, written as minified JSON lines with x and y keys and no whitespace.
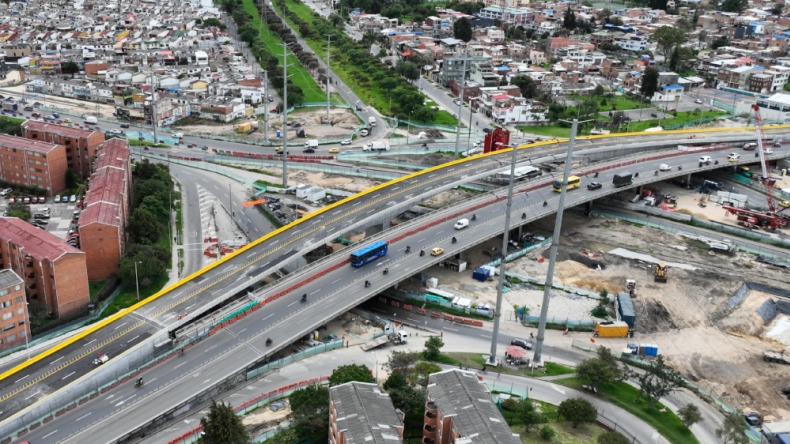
{"x":682,"y":117}
{"x":548,"y":130}
{"x":566,"y":434}
{"x":296,"y":72}
{"x":624,"y":396}
{"x":620,"y":103}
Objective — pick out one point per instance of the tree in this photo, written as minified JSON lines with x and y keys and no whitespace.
{"x":689,"y":414}
{"x":527,"y":86}
{"x":731,"y":431}
{"x":71,"y":67}
{"x":649,"y":83}
{"x":667,"y":38}
{"x":736,"y":6}
{"x":336,"y":20}
{"x":594,"y":373}
{"x":18,"y":210}
{"x":462,"y":29}
{"x":143,"y":227}
{"x":719,"y":42}
{"x":401,"y":361}
{"x":578,"y":411}
{"x":149,"y":268}
{"x":310,"y":411}
{"x":421,"y":371}
{"x":408,"y":70}
{"x":547,"y":433}
{"x":612,"y":438}
{"x":528,"y":414}
{"x":222,"y":426}
{"x":432,"y":347}
{"x":674,"y":59}
{"x":71,"y":178}
{"x":569,"y":19}
{"x":213,"y":22}
{"x":657,"y":381}
{"x":350,"y":372}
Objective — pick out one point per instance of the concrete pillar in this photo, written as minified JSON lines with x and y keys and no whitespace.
{"x":588,"y":207}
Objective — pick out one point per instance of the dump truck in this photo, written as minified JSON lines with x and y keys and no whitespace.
{"x":780,"y":357}
{"x":397,"y":338}
{"x":622,"y":179}
{"x":611,"y":329}
{"x":660,"y":273}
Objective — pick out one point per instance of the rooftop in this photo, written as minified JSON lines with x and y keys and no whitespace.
{"x":113,"y":153}
{"x":36,"y":125}
{"x":36,"y":242}
{"x":104,"y":198}
{"x":365,"y":413}
{"x":21,"y":143}
{"x":8,"y":279}
{"x":461,"y":395}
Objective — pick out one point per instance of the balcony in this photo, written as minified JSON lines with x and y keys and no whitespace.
{"x":428,"y":441}
{"x":429,"y":428}
{"x":430,"y":405}
{"x":430,"y":415}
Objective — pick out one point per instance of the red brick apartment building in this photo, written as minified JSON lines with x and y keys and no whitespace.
{"x":80,"y":144}
{"x":54,"y":273}
{"x":459,"y":409}
{"x":106,"y":210}
{"x":31,"y":163}
{"x":361,"y":413}
{"x":14,"y":327}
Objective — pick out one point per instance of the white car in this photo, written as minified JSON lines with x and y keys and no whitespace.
{"x":698,"y":101}
{"x":733,"y":157}
{"x":6,"y":191}
{"x":664,"y":167}
{"x":345,"y":142}
{"x":705,"y":159}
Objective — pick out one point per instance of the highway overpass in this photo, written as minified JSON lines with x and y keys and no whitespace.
{"x":332,"y":286}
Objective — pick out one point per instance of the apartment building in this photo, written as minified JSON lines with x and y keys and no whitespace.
{"x":106,"y":210}
{"x":33,"y":164}
{"x":54,"y":272}
{"x":80,"y":144}
{"x":13,"y":310}
{"x":459,"y":409}
{"x":361,"y":413}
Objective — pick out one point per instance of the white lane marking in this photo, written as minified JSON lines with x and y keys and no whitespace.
{"x":335,"y":281}
{"x":34,"y":394}
{"x":116,"y":328}
{"x":88,"y":343}
{"x":267,"y":317}
{"x":67,"y":376}
{"x":56,"y":360}
{"x":134,"y":338}
{"x":23,"y":377}
{"x":123,"y":401}
{"x":451,"y":329}
{"x":554,"y":386}
{"x":49,"y":434}
{"x":84,"y":416}
{"x":292,"y":303}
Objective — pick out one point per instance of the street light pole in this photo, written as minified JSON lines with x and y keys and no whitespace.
{"x":136,"y":281}
{"x":328,"y":48}
{"x":555,"y":242}
{"x":460,"y":103}
{"x":505,"y":240}
{"x":408,"y":128}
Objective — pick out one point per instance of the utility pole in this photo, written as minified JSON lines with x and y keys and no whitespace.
{"x":153,"y":101}
{"x":505,"y":240}
{"x":285,"y":112}
{"x":328,"y":48}
{"x":266,"y":106}
{"x":460,"y":104}
{"x":555,"y":242}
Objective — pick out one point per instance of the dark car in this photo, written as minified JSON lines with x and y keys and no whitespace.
{"x":594,"y":186}
{"x":523,"y":343}
{"x":308,"y":150}
{"x":124,"y":125}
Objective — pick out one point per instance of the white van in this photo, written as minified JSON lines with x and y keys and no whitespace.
{"x":461,"y":224}
{"x":705,"y":159}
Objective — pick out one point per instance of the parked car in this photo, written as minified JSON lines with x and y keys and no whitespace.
{"x":42,"y":199}
{"x":73,"y":198}
{"x":12,"y":200}
{"x":56,"y":199}
{"x":594,"y":186}
{"x":6,"y":192}
{"x":65,"y":199}
{"x":26,"y":200}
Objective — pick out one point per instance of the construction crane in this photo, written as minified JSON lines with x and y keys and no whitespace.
{"x":753,"y":218}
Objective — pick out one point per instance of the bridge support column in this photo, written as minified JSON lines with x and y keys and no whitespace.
{"x":588,"y":207}
{"x":688,"y":181}
{"x":639,"y":190}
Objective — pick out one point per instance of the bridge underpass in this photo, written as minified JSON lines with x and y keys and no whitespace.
{"x":433,"y":227}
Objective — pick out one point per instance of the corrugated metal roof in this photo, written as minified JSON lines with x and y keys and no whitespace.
{"x":21,"y":143}
{"x":36,"y":242}
{"x":35,"y":125}
{"x":112,"y":153}
{"x":109,"y":183}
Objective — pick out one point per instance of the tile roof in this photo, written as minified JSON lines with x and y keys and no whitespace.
{"x":104,"y":198}
{"x":8,"y":278}
{"x":34,"y":241}
{"x":113,"y":153}
{"x":21,"y":143}
{"x":35,"y":125}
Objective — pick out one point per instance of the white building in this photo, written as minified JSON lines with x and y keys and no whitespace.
{"x":631,"y":42}
{"x":774,"y":109}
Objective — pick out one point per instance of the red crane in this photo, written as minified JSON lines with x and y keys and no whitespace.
{"x":768,"y":218}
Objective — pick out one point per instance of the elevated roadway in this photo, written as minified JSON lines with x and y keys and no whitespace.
{"x":333,"y":287}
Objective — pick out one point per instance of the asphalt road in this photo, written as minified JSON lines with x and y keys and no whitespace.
{"x":333,"y":288}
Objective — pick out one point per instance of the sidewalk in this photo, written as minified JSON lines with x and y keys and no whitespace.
{"x":323,"y":364}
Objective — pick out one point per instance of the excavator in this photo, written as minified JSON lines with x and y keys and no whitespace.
{"x":660,"y":273}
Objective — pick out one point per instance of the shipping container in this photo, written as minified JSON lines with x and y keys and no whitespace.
{"x":625,"y":308}
{"x":617,"y":329}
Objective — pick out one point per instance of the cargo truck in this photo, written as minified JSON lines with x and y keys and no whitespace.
{"x":312,"y":143}
{"x":372,"y":121}
{"x":91,"y":119}
{"x":625,"y":309}
{"x":781,"y":357}
{"x":376,"y":146}
{"x":622,"y":179}
{"x":609,"y":329}
{"x":397,"y":338}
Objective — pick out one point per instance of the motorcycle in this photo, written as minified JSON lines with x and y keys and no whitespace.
{"x":656,"y":173}
{"x":422,"y":253}
{"x":304,"y":297}
{"x":454,"y":239}
{"x":523,"y":215}
{"x":474,"y":217}
{"x":545,"y":203}
{"x":595,"y":175}
{"x":408,"y":249}
{"x":268,"y":341}
{"x":139,"y":383}
{"x":367,"y":284}
{"x":386,"y":270}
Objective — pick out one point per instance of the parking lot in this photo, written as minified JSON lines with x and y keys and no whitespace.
{"x":62,"y":217}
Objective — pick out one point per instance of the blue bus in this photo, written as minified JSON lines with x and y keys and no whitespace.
{"x":369,"y":254}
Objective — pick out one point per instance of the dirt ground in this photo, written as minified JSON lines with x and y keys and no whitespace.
{"x":342,"y":123}
{"x":682,"y":316}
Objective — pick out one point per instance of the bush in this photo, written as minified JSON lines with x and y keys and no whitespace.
{"x":599,"y":312}
{"x":509,"y":404}
{"x":547,"y":433}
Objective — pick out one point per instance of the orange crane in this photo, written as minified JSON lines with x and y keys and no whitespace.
{"x":768,"y":218}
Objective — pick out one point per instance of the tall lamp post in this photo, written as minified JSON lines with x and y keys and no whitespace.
{"x":408,"y":128}
{"x":136,"y":280}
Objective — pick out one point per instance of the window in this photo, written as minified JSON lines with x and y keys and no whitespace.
{"x":8,"y":327}
{"x":7,"y":316}
{"x":21,"y":311}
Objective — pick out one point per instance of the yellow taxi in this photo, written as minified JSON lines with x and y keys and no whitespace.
{"x":784,"y":203}
{"x":437,"y":251}
{"x":334,"y":150}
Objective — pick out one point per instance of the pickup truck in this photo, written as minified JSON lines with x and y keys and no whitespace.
{"x":101,"y":358}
